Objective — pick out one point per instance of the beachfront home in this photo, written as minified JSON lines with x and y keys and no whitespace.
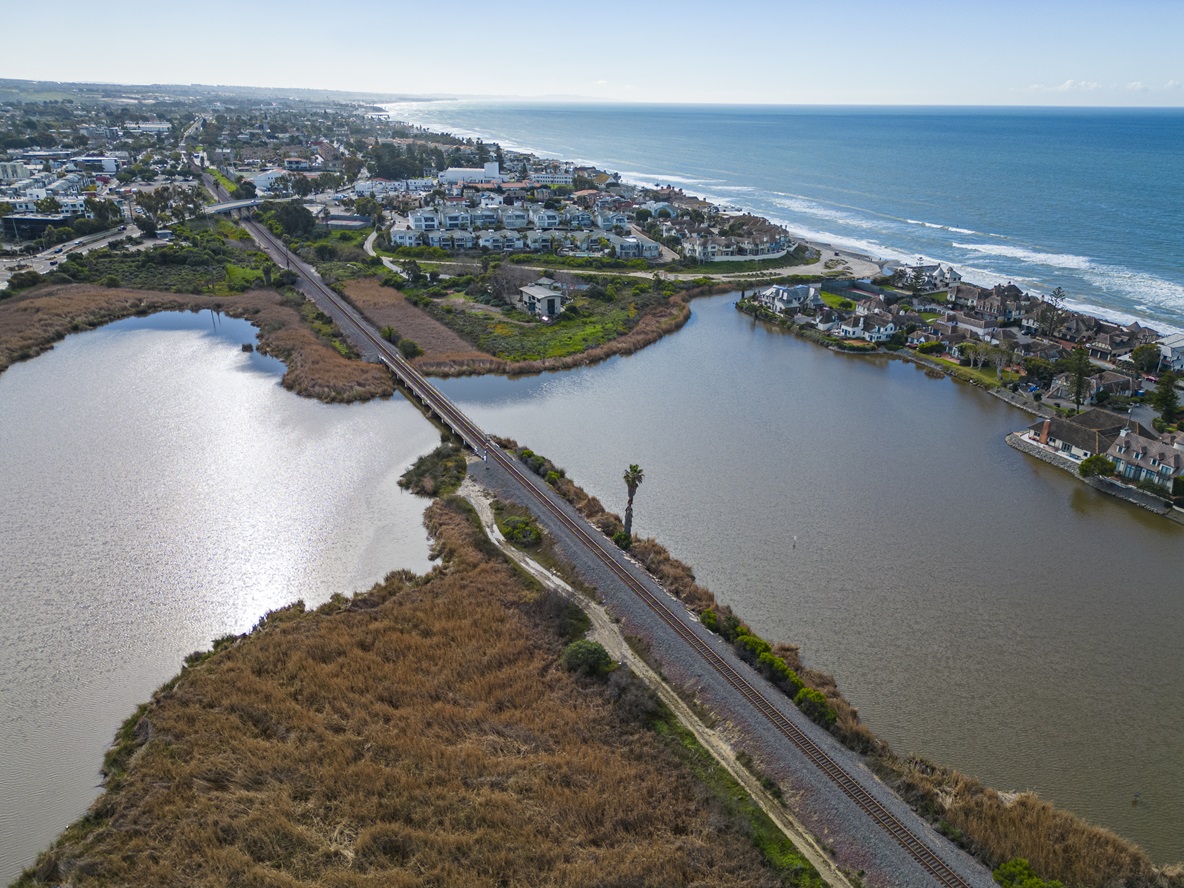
{"x":1138,"y":458}
{"x":926,"y":278}
{"x":1171,"y":353}
{"x":406,"y":237}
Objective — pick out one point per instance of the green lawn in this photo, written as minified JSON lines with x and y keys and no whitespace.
{"x":832,"y":300}
{"x":986,"y":375}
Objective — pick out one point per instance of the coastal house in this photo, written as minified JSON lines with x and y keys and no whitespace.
{"x":406,"y":237}
{"x":1171,"y":353}
{"x":787,"y":300}
{"x":425,"y":219}
{"x":926,"y":278}
{"x":826,"y":321}
{"x":965,"y":296}
{"x":454,"y":217}
{"x":544,"y":217}
{"x":1107,"y":381}
{"x":1070,"y":439}
{"x":540,"y":299}
{"x":878,"y":327}
{"x":1139,"y":458}
{"x":514,"y":217}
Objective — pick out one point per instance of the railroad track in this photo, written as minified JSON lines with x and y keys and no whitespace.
{"x":480,"y":443}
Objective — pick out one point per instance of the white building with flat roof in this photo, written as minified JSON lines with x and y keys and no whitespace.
{"x":491,"y":172}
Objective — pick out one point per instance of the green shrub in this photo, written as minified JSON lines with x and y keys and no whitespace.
{"x":750,"y":647}
{"x":409,"y":349}
{"x":815,"y":707}
{"x":730,"y":627}
{"x":710,"y":620}
{"x":622,"y":539}
{"x":1018,"y":873}
{"x":521,"y":530}
{"x":778,"y":672}
{"x":585,"y":657}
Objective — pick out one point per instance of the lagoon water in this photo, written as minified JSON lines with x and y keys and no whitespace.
{"x":1081,"y":198}
{"x":160,"y":489}
{"x":979,"y":607}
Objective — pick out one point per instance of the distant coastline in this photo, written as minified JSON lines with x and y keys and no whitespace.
{"x":1066,"y":231}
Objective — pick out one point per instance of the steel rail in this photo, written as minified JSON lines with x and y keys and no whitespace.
{"x":480,"y":443}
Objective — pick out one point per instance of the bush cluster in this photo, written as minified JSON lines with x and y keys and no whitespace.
{"x":758,"y":653}
{"x":521,"y":530}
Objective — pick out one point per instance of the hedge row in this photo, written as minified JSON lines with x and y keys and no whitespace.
{"x":758,"y":653}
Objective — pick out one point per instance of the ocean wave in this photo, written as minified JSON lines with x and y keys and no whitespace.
{"x":1056,"y":260}
{"x":952,"y":228}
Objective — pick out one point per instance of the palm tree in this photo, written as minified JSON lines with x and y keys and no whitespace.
{"x":633,"y":478}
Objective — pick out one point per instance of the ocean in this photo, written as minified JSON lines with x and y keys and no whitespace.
{"x":1089,"y":200}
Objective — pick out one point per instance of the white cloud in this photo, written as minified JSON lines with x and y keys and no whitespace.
{"x":1067,"y":86}
{"x":1173,"y":84}
{"x":1137,"y":86}
{"x":600,"y":82}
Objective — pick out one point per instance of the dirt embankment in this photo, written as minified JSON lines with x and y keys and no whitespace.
{"x":422,"y":734}
{"x":31,"y":322}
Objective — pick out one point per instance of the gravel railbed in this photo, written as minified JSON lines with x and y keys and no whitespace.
{"x":858,"y":843}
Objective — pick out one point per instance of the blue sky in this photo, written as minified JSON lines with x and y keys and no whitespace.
{"x":1004,"y":52}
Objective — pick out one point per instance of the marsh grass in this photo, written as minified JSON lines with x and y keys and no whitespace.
{"x":31,"y":322}
{"x":422,"y":734}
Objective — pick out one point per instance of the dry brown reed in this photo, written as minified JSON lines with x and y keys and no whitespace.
{"x":31,"y":322}
{"x":424,"y":734}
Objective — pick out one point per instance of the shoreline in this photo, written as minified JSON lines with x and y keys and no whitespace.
{"x":32,"y":322}
{"x":1112,"y":315}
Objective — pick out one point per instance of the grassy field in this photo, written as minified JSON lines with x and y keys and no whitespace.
{"x":423,"y":734}
{"x":742,"y":266}
{"x":986,"y":375}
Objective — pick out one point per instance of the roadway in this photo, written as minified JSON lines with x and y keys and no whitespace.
{"x":857,"y":812}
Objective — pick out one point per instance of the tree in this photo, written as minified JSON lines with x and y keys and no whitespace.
{"x":633,"y":478}
{"x":48,"y":205}
{"x":1080,"y":368}
{"x":508,"y":279}
{"x":1166,"y":399}
{"x":1095,"y":465}
{"x":294,"y":218}
{"x":302,"y":186}
{"x":351,"y":166}
{"x":1145,"y":357}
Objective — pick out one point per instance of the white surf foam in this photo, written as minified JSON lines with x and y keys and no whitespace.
{"x":1055,"y":260}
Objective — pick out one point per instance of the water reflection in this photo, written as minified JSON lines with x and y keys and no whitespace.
{"x":161,"y":489}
